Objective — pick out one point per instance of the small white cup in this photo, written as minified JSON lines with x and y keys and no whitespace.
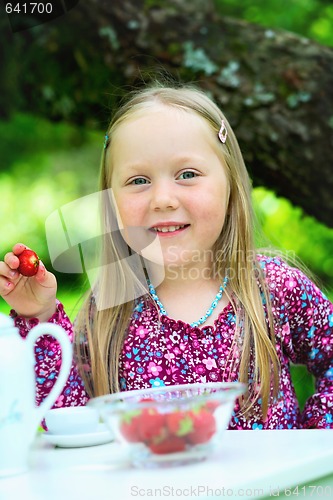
{"x":72,"y":420}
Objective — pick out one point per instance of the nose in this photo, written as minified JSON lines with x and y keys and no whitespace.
{"x":164,"y":196}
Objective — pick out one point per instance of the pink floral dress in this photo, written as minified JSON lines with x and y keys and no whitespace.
{"x":163,"y":351}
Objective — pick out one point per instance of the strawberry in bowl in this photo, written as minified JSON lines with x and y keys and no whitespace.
{"x":170,"y":425}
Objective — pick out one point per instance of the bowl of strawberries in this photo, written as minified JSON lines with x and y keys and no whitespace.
{"x":170,"y":425}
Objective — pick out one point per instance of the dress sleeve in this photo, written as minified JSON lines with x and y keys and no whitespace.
{"x":48,"y":361}
{"x":306,"y":327}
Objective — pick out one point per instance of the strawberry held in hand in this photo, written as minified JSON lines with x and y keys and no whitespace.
{"x":29,"y":263}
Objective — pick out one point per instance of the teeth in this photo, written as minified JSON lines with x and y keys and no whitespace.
{"x":169,"y":229}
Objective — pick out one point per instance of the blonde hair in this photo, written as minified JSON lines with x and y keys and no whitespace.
{"x":234,"y":250}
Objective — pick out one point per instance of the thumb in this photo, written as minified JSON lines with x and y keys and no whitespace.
{"x":42,"y":273}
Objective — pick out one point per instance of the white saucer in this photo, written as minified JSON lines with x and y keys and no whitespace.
{"x":101,"y":436}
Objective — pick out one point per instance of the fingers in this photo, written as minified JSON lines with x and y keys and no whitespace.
{"x":8,"y":279}
{"x":19,"y":247}
{"x":9,"y":270}
{"x":6,"y":287}
{"x":9,"y":276}
{"x":11,"y":261}
{"x":11,"y":258}
{"x":28,"y":296}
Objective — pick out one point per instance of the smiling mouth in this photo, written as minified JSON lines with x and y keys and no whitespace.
{"x":169,"y":229}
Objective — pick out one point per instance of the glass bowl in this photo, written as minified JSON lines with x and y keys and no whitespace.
{"x":170,"y":425}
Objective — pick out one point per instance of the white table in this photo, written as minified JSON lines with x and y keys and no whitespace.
{"x":252,"y":464}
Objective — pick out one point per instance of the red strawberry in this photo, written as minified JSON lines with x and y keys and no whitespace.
{"x":129,"y":426}
{"x":171,"y":444}
{"x":204,"y":427}
{"x":29,"y":263}
{"x":211,"y":406}
{"x":179,"y":423}
{"x":151,"y":425}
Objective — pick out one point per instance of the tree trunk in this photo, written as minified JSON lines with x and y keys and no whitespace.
{"x":276,"y":88}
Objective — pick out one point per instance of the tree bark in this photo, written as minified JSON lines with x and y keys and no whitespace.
{"x":276,"y":88}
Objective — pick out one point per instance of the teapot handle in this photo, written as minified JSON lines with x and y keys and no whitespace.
{"x":66,"y":361}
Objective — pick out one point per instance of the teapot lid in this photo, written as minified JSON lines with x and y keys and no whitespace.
{"x":5,"y":322}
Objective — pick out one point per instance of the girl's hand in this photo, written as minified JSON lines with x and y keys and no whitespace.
{"x":33,"y":297}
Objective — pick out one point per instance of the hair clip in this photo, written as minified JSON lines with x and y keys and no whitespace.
{"x":106,"y":139}
{"x":223,"y":133}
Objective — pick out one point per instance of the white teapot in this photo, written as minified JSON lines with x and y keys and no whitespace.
{"x":19,"y":416}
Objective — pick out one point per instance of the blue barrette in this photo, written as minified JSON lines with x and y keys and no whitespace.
{"x":106,"y":140}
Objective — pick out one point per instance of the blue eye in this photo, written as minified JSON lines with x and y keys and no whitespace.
{"x":187,"y":175}
{"x":139,"y":180}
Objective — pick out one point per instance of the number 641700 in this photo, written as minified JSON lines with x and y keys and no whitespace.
{"x":29,"y":8}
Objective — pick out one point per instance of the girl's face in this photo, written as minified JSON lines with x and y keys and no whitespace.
{"x":169,"y":185}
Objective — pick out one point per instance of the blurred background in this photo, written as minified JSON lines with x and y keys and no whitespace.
{"x":58,"y":96}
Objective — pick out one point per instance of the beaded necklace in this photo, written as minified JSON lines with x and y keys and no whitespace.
{"x":209,"y":312}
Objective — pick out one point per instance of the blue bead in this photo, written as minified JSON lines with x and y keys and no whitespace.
{"x":203,"y":318}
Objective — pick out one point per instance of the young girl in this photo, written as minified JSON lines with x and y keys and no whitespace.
{"x":209,"y":307}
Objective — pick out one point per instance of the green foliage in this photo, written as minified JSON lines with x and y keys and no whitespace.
{"x":286,"y":228}
{"x":310,"y":18}
{"x":47,"y":166}
{"x":28,"y":136}
{"x":197,"y":60}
